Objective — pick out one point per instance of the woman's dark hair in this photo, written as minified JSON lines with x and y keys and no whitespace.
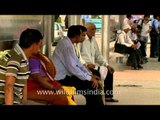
{"x":28,"y":37}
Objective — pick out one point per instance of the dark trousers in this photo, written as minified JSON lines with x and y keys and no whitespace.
{"x":158,"y":39}
{"x":108,"y":83}
{"x":153,"y":47}
{"x":93,"y":96}
{"x":143,"y":48}
{"x":135,"y":57}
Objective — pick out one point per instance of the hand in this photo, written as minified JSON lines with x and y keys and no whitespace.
{"x":87,"y":68}
{"x":134,"y":46}
{"x":91,"y":66}
{"x":100,"y":85}
{"x":95,"y":82}
{"x":110,"y":69}
{"x":96,"y":77}
{"x":56,"y":85}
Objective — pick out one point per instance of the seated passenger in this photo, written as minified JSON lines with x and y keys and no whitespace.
{"x":42,"y":87}
{"x":95,"y":62}
{"x":134,"y":58}
{"x":71,"y":72}
{"x":14,"y":70}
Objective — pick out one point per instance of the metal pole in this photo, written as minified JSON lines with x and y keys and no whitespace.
{"x":48,"y":34}
{"x":74,"y":20}
{"x":105,"y":36}
{"x":121,"y":19}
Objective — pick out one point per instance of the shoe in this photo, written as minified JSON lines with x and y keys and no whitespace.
{"x":140,"y":67}
{"x":128,"y":64}
{"x":153,"y":56}
{"x":134,"y":68}
{"x":145,"y":58}
{"x":146,"y":61}
{"x":111,"y":100}
{"x":158,"y":59}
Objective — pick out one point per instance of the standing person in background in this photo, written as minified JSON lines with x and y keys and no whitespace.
{"x":66,"y":22}
{"x":145,"y":32}
{"x":127,"y":20}
{"x":154,"y":35}
{"x":159,"y":43}
{"x":14,"y":67}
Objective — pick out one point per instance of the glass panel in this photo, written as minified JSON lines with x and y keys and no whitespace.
{"x":55,"y":27}
{"x":11,"y":26}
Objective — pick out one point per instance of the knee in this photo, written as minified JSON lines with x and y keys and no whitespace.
{"x":63,"y":100}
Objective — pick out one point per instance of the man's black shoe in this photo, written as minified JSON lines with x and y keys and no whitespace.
{"x":134,"y":68}
{"x":140,"y":67}
{"x":111,"y":100}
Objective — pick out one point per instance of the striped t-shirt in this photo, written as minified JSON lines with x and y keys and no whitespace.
{"x":14,"y":63}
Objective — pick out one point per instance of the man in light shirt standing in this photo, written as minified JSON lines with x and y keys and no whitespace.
{"x":127,"y":20}
{"x":95,"y":61}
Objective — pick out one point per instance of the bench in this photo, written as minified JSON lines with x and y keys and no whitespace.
{"x":120,"y":57}
{"x":79,"y":99}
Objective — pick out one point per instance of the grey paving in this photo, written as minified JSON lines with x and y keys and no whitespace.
{"x":136,"y":87}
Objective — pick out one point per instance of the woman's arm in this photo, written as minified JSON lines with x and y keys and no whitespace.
{"x":43,"y":81}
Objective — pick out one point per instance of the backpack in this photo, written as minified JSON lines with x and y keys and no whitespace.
{"x":153,"y":32}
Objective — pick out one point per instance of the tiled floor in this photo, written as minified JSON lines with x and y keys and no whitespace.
{"x":136,"y":87}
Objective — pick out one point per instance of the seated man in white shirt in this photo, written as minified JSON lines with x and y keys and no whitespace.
{"x":96,"y":63}
{"x":135,"y":57}
{"x":70,"y":72}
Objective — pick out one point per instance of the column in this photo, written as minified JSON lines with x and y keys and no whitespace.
{"x":105,"y":36}
{"x":74,"y":20}
{"x":48,"y":34}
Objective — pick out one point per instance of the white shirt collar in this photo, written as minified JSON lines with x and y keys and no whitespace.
{"x":87,"y":38}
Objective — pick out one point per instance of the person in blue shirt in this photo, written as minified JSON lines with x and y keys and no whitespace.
{"x":70,"y":72}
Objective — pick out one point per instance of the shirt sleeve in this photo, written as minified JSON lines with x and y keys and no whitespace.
{"x":98,"y":56}
{"x":84,"y":54}
{"x":121,"y":40}
{"x":34,"y":65}
{"x":82,"y":61}
{"x":156,"y":26}
{"x":73,"y":65}
{"x":13,"y":66}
